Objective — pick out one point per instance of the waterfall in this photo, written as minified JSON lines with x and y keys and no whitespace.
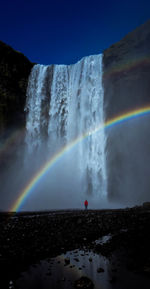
{"x":63,"y":103}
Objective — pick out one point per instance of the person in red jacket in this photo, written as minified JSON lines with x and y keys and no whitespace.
{"x":86,"y":204}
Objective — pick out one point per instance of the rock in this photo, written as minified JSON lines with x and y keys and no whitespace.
{"x":11,"y":285}
{"x":67,"y":261}
{"x":14,"y":71}
{"x":84,"y":283}
{"x":126,"y":84}
{"x":79,"y":221}
{"x":147,"y":270}
{"x":113,"y":279}
{"x":146,"y":205}
{"x":100,"y":270}
{"x":114,"y":270}
{"x":76,"y":259}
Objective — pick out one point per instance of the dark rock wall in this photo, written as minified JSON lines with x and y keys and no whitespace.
{"x":14,"y":71}
{"x":127,"y":87}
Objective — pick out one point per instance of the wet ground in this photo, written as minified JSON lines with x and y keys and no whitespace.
{"x":55,"y":250}
{"x":63,"y":271}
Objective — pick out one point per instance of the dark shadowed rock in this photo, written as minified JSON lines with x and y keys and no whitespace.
{"x":14,"y":71}
{"x":84,"y":283}
{"x":76,"y":259}
{"x":146,"y":205}
{"x":127,"y":72}
{"x":67,"y":261}
{"x":100,"y":270}
{"x":126,"y":87}
{"x":113,"y":279}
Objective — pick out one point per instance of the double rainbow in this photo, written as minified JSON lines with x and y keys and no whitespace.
{"x":29,"y":188}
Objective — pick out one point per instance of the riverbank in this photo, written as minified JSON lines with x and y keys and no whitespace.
{"x":28,"y":238}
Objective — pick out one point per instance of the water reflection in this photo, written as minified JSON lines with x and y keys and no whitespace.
{"x":61,"y":272}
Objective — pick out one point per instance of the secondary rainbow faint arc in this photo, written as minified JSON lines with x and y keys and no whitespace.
{"x":37,"y":177}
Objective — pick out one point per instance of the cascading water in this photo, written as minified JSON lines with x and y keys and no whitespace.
{"x":63,"y":103}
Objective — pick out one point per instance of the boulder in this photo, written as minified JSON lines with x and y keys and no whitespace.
{"x":84,"y":283}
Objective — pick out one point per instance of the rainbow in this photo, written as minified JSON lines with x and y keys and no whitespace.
{"x":52,"y":161}
{"x":132,"y":63}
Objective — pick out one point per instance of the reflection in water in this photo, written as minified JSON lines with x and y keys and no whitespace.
{"x":62,"y":271}
{"x":103,"y":240}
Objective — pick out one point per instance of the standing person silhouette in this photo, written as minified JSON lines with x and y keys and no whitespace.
{"x":86,"y":204}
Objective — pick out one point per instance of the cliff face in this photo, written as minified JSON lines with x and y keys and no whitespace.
{"x":127,"y":72}
{"x":126,"y":87}
{"x":14,"y":72}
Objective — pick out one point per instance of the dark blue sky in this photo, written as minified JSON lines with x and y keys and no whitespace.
{"x":63,"y":31}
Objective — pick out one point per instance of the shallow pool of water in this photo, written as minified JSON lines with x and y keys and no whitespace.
{"x":62,"y":271}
